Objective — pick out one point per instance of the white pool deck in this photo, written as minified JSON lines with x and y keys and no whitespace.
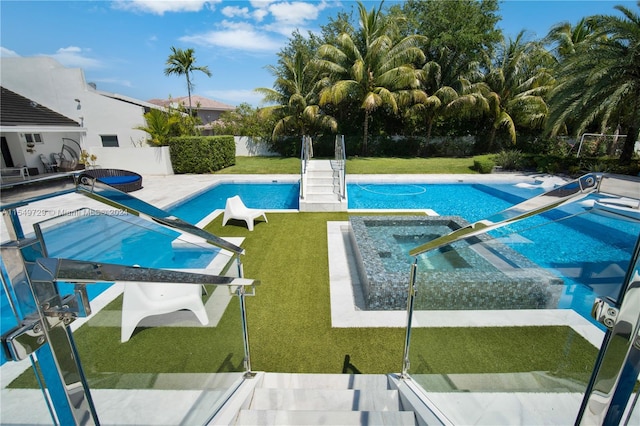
{"x":26,"y":406}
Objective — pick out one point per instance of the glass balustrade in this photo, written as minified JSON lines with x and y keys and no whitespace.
{"x":501,"y":328}
{"x":175,"y":367}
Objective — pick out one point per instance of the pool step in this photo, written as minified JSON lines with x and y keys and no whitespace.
{"x":318,"y":399}
{"x":322,"y":188}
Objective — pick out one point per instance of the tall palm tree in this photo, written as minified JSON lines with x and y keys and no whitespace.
{"x":565,"y":37}
{"x":373,"y":72}
{"x":599,"y":85}
{"x":517,"y":82}
{"x":182,"y":62}
{"x":296,"y":101}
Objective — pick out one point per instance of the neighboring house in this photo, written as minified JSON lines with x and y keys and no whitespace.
{"x":29,"y":130}
{"x":110,"y":120}
{"x":106,"y":121}
{"x":208,"y":110}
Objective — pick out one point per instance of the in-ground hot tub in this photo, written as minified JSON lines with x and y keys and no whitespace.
{"x":479,"y":273}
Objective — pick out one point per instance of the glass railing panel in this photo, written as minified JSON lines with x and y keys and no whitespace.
{"x":502,"y":328}
{"x":173,"y":369}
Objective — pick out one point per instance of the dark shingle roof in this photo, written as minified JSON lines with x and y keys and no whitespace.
{"x":16,"y":110}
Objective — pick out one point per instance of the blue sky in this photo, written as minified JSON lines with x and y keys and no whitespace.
{"x":123,"y":45}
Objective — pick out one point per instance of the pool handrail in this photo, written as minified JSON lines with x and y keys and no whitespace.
{"x":22,"y":193}
{"x":564,"y":194}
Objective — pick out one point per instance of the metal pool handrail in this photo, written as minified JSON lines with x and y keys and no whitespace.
{"x":306,"y":153}
{"x":45,"y":313}
{"x":341,"y":161}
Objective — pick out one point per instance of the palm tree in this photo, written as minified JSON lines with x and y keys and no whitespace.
{"x":160,"y":126}
{"x":565,"y":37}
{"x":600,"y":83}
{"x":373,"y":72}
{"x":296,"y":101}
{"x":181,"y":62}
{"x":516,"y":84}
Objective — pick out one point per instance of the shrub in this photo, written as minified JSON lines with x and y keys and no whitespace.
{"x":509,"y":160}
{"x":202,"y":154}
{"x":483,"y":165}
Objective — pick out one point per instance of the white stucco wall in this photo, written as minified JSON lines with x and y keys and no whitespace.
{"x":248,"y":147}
{"x":47,"y":82}
{"x":145,"y":161}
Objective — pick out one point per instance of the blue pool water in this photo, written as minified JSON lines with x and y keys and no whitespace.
{"x":592,"y":240}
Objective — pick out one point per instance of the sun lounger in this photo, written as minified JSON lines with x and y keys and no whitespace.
{"x":235,"y":209}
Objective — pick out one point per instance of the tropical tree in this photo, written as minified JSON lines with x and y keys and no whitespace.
{"x":182,"y":62}
{"x":160,"y":126}
{"x":296,"y":101}
{"x":373,"y":71}
{"x":516,"y":84}
{"x":564,"y":37}
{"x":599,"y":85}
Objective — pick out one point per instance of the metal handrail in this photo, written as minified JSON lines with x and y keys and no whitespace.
{"x":569,"y":192}
{"x":306,"y":153}
{"x":40,"y":275}
{"x":341,"y":161}
{"x":564,"y":194}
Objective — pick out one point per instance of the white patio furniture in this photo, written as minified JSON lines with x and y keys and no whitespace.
{"x":142,"y":300}
{"x":235,"y":209}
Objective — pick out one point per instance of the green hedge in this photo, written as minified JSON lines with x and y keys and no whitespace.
{"x":202,"y":154}
{"x":483,"y":165}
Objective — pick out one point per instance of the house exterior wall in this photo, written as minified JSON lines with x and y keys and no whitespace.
{"x":52,"y":142}
{"x":46,"y":81}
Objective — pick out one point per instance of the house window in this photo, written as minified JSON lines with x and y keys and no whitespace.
{"x":109,"y":141}
{"x":33,"y":138}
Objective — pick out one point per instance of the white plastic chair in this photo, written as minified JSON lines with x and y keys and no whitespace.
{"x":145,"y":299}
{"x":235,"y":209}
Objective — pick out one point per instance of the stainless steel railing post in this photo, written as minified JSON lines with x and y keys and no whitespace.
{"x":410,"y":302}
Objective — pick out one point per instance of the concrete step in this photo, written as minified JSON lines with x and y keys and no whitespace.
{"x":321,"y":180}
{"x":312,"y":197}
{"x":322,"y":189}
{"x":319,"y":165}
{"x":280,"y":417}
{"x":324,"y":381}
{"x":325,"y":400}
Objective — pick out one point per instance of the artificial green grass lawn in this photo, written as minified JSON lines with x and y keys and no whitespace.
{"x":290,"y":327}
{"x":356,"y":165}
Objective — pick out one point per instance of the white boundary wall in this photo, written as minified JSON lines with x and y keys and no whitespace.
{"x":248,"y":147}
{"x":145,"y":160}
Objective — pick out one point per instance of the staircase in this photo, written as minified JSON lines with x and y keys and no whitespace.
{"x":317,"y":399}
{"x":321,"y":183}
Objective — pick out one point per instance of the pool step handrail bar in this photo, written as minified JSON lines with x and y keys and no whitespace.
{"x":22,"y":193}
{"x":564,"y":194}
{"x":341,"y":161}
{"x":306,"y":154}
{"x":32,"y":278}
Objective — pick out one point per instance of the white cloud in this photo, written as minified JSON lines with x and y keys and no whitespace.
{"x":7,"y":53}
{"x":259,"y":14}
{"x":242,"y":36}
{"x":160,"y":7}
{"x":74,"y":56}
{"x":233,"y":11}
{"x":295,"y":13}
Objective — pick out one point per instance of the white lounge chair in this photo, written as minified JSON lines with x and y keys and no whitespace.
{"x":235,"y":209}
{"x":145,"y":299}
